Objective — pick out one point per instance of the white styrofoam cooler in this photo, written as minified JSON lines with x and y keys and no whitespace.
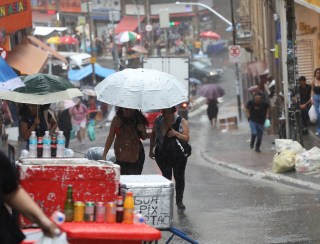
{"x":153,"y":197}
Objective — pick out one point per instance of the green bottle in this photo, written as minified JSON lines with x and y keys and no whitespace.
{"x":68,"y":205}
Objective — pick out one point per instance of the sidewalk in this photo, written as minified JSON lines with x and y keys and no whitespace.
{"x":231,"y":150}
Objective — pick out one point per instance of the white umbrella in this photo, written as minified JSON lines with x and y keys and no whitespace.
{"x":141,"y":89}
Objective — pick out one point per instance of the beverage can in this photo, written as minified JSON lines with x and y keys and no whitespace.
{"x":111,"y":212}
{"x":100,"y":212}
{"x":78,"y":211}
{"x":89,"y":212}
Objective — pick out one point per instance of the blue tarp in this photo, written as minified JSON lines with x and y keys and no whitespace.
{"x":79,"y":74}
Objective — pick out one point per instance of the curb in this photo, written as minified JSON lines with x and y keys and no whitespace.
{"x":266,"y":175}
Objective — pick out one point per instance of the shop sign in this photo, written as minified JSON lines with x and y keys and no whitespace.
{"x":15,"y":15}
{"x":13,"y":8}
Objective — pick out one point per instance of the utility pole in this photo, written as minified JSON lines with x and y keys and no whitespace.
{"x":91,"y":44}
{"x":115,"y":48}
{"x":295,"y":130}
{"x":234,"y":34}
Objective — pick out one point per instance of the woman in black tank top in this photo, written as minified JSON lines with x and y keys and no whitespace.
{"x":315,"y":97}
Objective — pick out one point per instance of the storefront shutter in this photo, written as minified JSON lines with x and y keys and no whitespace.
{"x":305,"y":56}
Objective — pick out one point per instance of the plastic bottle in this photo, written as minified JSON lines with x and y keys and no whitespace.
{"x":128,"y":208}
{"x":46,"y":145}
{"x":61,"y":141}
{"x":39,"y":147}
{"x":119,"y":212}
{"x":32,"y":145}
{"x":54,"y":147}
{"x":58,"y":217}
{"x":68,"y":205}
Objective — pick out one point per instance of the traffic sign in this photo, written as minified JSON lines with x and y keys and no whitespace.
{"x":235,"y":54}
{"x":148,"y":27}
{"x":3,"y":53}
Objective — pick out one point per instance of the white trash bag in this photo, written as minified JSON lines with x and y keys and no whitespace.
{"x":312,"y":114}
{"x":288,"y":144}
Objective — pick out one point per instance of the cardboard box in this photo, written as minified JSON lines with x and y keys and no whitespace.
{"x":230,"y":123}
{"x":153,"y":197}
{"x":46,"y":180}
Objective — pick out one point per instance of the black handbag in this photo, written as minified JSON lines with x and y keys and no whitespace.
{"x":176,"y":147}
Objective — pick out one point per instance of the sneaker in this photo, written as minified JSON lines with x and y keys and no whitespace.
{"x":257,"y":150}
{"x":251,"y":145}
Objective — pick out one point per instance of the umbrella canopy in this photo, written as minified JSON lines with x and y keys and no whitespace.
{"x":141,"y":89}
{"x":139,"y":49}
{"x":68,"y":40}
{"x":89,"y":92}
{"x":9,"y":80}
{"x":211,"y":91}
{"x":42,"y":89}
{"x":210,"y":35}
{"x":62,"y":105}
{"x":126,"y":36}
{"x":54,"y":40}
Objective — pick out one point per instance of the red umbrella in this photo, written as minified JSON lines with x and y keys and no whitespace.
{"x":68,"y":40}
{"x":210,"y":35}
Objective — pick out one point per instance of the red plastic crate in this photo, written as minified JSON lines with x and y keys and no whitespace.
{"x":46,"y":181}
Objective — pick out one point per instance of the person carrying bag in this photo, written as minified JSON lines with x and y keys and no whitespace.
{"x":170,"y":134}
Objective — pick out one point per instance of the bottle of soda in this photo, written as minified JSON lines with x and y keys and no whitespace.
{"x":128,"y":208}
{"x":68,"y":205}
{"x":54,"y":147}
{"x":47,"y":145}
{"x":39,"y":147}
{"x":119,"y":213}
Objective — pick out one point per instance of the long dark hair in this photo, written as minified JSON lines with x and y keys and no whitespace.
{"x":137,"y":118}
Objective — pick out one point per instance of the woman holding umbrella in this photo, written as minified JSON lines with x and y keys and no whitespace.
{"x":36,"y":118}
{"x":126,"y":130}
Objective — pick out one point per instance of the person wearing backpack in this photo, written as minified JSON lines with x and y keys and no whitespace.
{"x":168,"y":128}
{"x":127,"y":129}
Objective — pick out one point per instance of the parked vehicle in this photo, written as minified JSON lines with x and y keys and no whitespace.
{"x":176,"y":66}
{"x":151,"y":115}
{"x":205,"y":72}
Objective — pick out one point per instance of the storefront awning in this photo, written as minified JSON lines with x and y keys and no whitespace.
{"x":45,"y":31}
{"x":79,"y":74}
{"x":128,"y":23}
{"x":313,"y":6}
{"x":45,"y":47}
{"x":27,"y":59}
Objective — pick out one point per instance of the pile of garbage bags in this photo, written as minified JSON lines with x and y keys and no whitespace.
{"x":290,"y":155}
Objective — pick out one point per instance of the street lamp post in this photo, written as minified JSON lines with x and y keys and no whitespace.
{"x":91,"y":44}
{"x":234,"y":38}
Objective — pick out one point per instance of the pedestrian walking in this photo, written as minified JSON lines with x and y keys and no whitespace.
{"x":305,"y":102}
{"x":212,"y":111}
{"x":315,"y":97}
{"x":168,"y":161}
{"x":78,"y":115}
{"x":14,"y":196}
{"x":257,"y":112}
{"x":127,"y":129}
